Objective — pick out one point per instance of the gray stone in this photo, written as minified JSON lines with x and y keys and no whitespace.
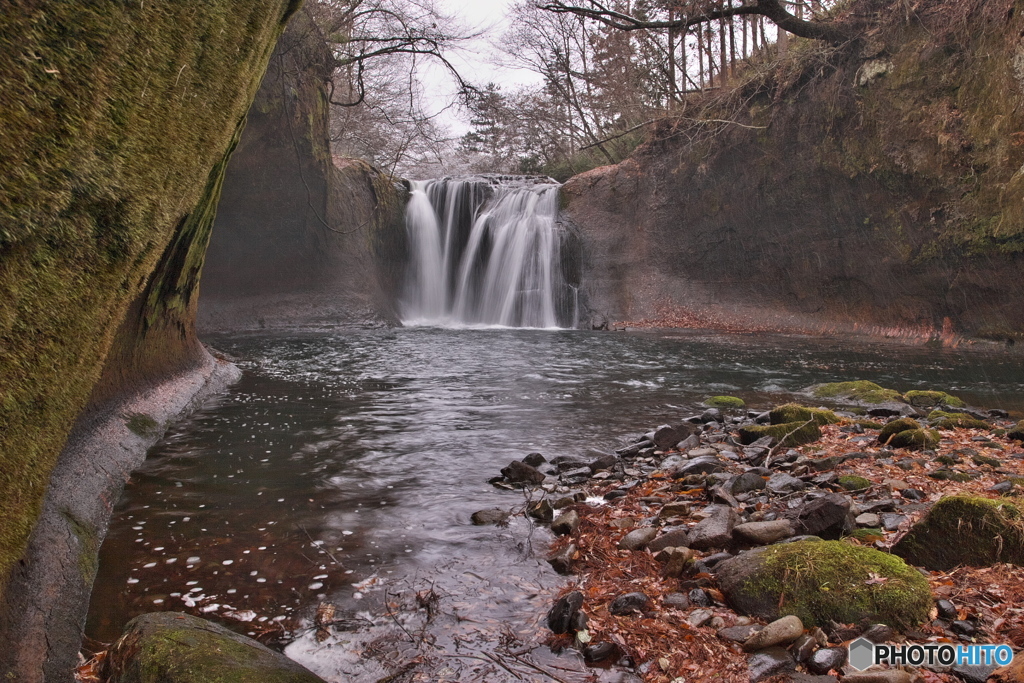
{"x":678,"y":562}
{"x":701,"y":465}
{"x":562,"y":560}
{"x":785,"y":483}
{"x":675,"y":538}
{"x":598,"y":652}
{"x":700,"y":617}
{"x":562,"y":615}
{"x":715,"y":531}
{"x":680,"y":509}
{"x":535,"y":460}
{"x":676,"y":601}
{"x":780,"y":632}
{"x":628,"y":604}
{"x":739,"y":634}
{"x":633,"y":449}
{"x":770,"y":662}
{"x":803,"y":648}
{"x":868,"y":519}
{"x":891,"y":521}
{"x":565,"y":523}
{"x":828,"y":517}
{"x":665,"y":437}
{"x":763,"y":533}
{"x":690,"y":442}
{"x":878,"y":633}
{"x":699,"y":597}
{"x":746,"y":482}
{"x":492,"y":516}
{"x":172,"y":646}
{"x":518,"y":472}
{"x":826,"y":659}
{"x":638,"y":538}
{"x":542,"y":510}
{"x":946,"y":609}
{"x":973,"y":674}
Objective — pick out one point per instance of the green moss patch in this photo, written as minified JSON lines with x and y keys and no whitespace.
{"x":950,"y":475}
{"x":787,"y":435}
{"x":932,"y":399}
{"x":835,"y":581}
{"x":893,"y":428}
{"x":915,"y":439}
{"x":943,"y":420}
{"x":794,"y":412}
{"x":861,"y":391}
{"x":852,"y":482}
{"x":965,"y":530}
{"x":724,"y":402}
{"x":140,"y":424}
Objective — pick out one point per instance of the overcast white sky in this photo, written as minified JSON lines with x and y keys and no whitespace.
{"x":477,"y":63}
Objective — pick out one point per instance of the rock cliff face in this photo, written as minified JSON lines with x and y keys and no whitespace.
{"x":875,"y":187}
{"x":117,"y":123}
{"x":299,"y":239}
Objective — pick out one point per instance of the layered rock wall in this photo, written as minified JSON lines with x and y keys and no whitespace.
{"x":874,"y":187}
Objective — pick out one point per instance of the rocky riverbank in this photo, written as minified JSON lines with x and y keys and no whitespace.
{"x":741,"y":545}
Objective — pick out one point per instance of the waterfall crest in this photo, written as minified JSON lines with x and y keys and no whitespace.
{"x":485,"y":251}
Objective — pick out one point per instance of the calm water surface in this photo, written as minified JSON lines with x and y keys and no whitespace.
{"x":344,"y":467}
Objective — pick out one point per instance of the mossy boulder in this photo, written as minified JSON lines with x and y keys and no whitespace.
{"x":915,"y":439}
{"x":825,"y":581}
{"x":965,"y":530}
{"x":787,"y":435}
{"x":1017,"y":433}
{"x":794,"y":412}
{"x":893,"y":428}
{"x":943,"y":420}
{"x":724,"y":402}
{"x":852,"y":482}
{"x":932,"y":399}
{"x":171,"y":647}
{"x":861,"y":391}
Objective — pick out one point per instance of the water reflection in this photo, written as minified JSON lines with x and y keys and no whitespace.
{"x":345,"y":466}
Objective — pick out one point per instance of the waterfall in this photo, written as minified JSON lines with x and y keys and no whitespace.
{"x":485,"y":251}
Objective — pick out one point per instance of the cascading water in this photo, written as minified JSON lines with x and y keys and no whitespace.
{"x":486,"y":250}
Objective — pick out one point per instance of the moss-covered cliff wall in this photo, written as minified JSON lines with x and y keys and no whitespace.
{"x":873,"y":187}
{"x":297,"y":236}
{"x":115,"y":122}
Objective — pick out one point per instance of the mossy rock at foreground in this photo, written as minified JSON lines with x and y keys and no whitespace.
{"x":852,"y":482}
{"x":861,"y":391}
{"x":787,"y":435}
{"x":893,"y":428}
{"x":724,"y":402}
{"x":943,"y":420}
{"x":915,"y":439}
{"x":794,"y":412}
{"x":965,"y":530}
{"x":823,"y":581}
{"x":932,"y":399}
{"x":171,"y":647}
{"x":1017,"y":433}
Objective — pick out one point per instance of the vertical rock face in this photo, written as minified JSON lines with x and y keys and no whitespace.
{"x":811,"y":199}
{"x":117,"y":122}
{"x":300,"y":239}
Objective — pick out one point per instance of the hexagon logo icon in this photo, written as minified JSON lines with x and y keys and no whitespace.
{"x":862,"y":654}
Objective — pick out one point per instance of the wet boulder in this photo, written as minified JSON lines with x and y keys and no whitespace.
{"x":630,"y":603}
{"x":566,"y":523}
{"x":518,"y":472}
{"x":825,"y":581}
{"x":171,"y":647}
{"x":967,"y":530}
{"x":492,"y":516}
{"x":564,"y":614}
{"x":1017,"y":433}
{"x":666,"y":436}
